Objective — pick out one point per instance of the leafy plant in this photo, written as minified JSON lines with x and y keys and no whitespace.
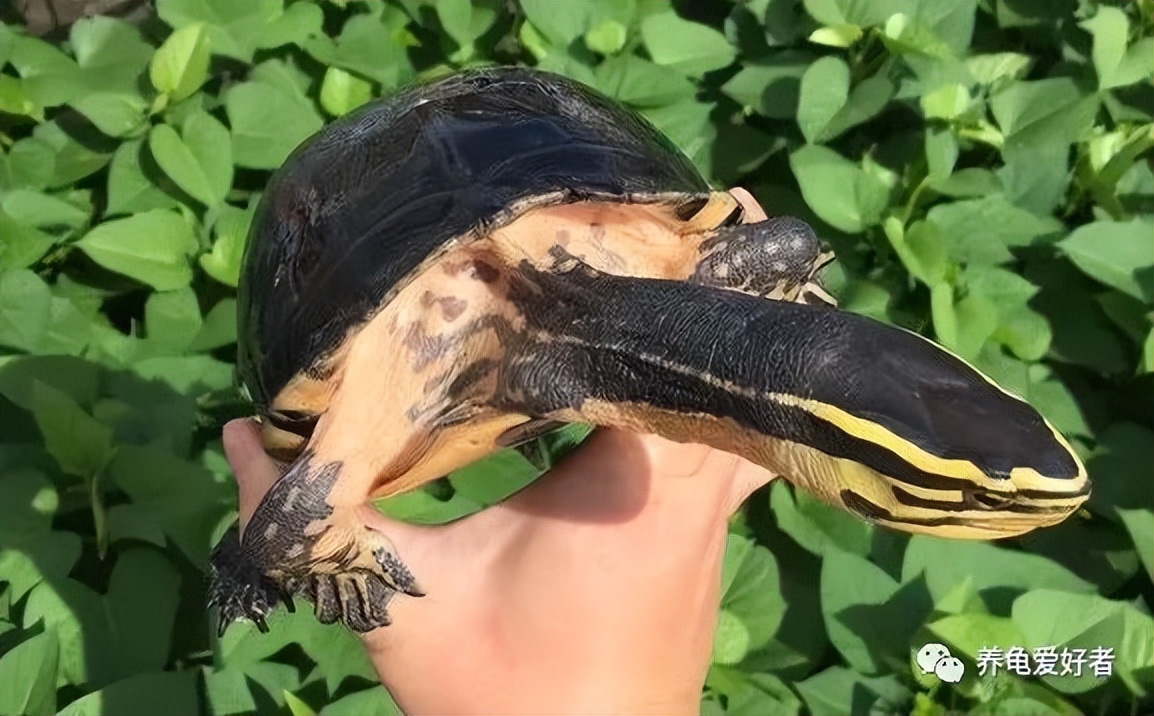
{"x":982,"y":168}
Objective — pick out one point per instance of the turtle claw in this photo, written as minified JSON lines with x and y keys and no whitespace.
{"x":297,"y":544}
{"x":359,"y":596}
{"x":237,"y":587}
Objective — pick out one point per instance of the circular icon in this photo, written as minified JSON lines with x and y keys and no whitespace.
{"x":929,"y":655}
{"x":949,"y":669}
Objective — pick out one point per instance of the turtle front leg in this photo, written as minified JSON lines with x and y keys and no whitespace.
{"x":779,"y":258}
{"x":298,"y":544}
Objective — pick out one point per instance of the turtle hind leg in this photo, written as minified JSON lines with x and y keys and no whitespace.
{"x":298,"y":544}
{"x":237,"y":587}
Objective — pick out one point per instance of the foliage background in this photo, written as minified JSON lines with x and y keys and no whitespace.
{"x":982,"y":168}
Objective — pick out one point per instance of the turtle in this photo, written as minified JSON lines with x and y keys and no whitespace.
{"x":475,"y":260}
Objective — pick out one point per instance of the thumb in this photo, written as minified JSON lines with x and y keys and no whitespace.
{"x":255,"y":471}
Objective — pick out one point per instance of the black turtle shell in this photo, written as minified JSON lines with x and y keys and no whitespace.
{"x":356,"y":208}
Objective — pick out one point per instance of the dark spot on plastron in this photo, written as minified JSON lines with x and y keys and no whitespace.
{"x":485,"y":272}
{"x":563,"y":237}
{"x":452,"y":307}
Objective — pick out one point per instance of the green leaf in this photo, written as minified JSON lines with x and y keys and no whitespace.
{"x":21,"y":245}
{"x":836,"y":36}
{"x":859,"y":202}
{"x":50,"y":77}
{"x":267,"y":123}
{"x":1049,"y":111}
{"x":562,"y":23}
{"x":1139,"y":523}
{"x":34,"y":208}
{"x":141,"y":603}
{"x":457,"y":17}
{"x":115,"y":114}
{"x":687,"y":124}
{"x":219,"y":327}
{"x":237,"y":30}
{"x":1116,"y":253}
{"x":980,"y":231}
{"x":640,"y":83}
{"x":296,"y":706}
{"x":135,"y":183}
{"x":420,"y":507}
{"x":200,"y":163}
{"x":970,"y":633}
{"x":46,"y":557}
{"x":173,"y":693}
{"x":847,"y":12}
{"x":770,"y":87}
{"x":850,"y":582}
{"x":751,"y":600}
{"x":1052,"y":618}
{"x":180,"y":65}
{"x":687,"y":46}
{"x":752,"y":694}
{"x":991,"y":68}
{"x":948,"y":102}
{"x":375,"y":701}
{"x":491,"y":480}
{"x":28,"y":164}
{"x":14,"y":100}
{"x":223,"y":263}
{"x":606,"y":38}
{"x":172,"y":318}
{"x":367,"y":46}
{"x":1020,"y":328}
{"x":226,"y":691}
{"x":342,"y":92}
{"x":997,"y":574}
{"x":152,"y":247}
{"x":1118,"y":469}
{"x":815,"y":525}
{"x":80,"y":444}
{"x":1115,"y":65}
{"x":168,"y":494}
{"x":339,"y":654}
{"x":28,"y":676}
{"x":110,"y":52}
{"x":73,"y":159}
{"x":920,"y":249}
{"x":824,"y":91}
{"x":838,"y":691}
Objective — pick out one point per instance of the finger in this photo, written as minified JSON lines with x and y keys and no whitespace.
{"x":753,"y":210}
{"x":255,"y":471}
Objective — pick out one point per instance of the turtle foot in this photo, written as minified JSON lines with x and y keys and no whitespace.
{"x":298,"y":544}
{"x":359,"y":590}
{"x":238,"y":588}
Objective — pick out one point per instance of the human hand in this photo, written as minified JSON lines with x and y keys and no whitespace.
{"x":593,"y":590}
